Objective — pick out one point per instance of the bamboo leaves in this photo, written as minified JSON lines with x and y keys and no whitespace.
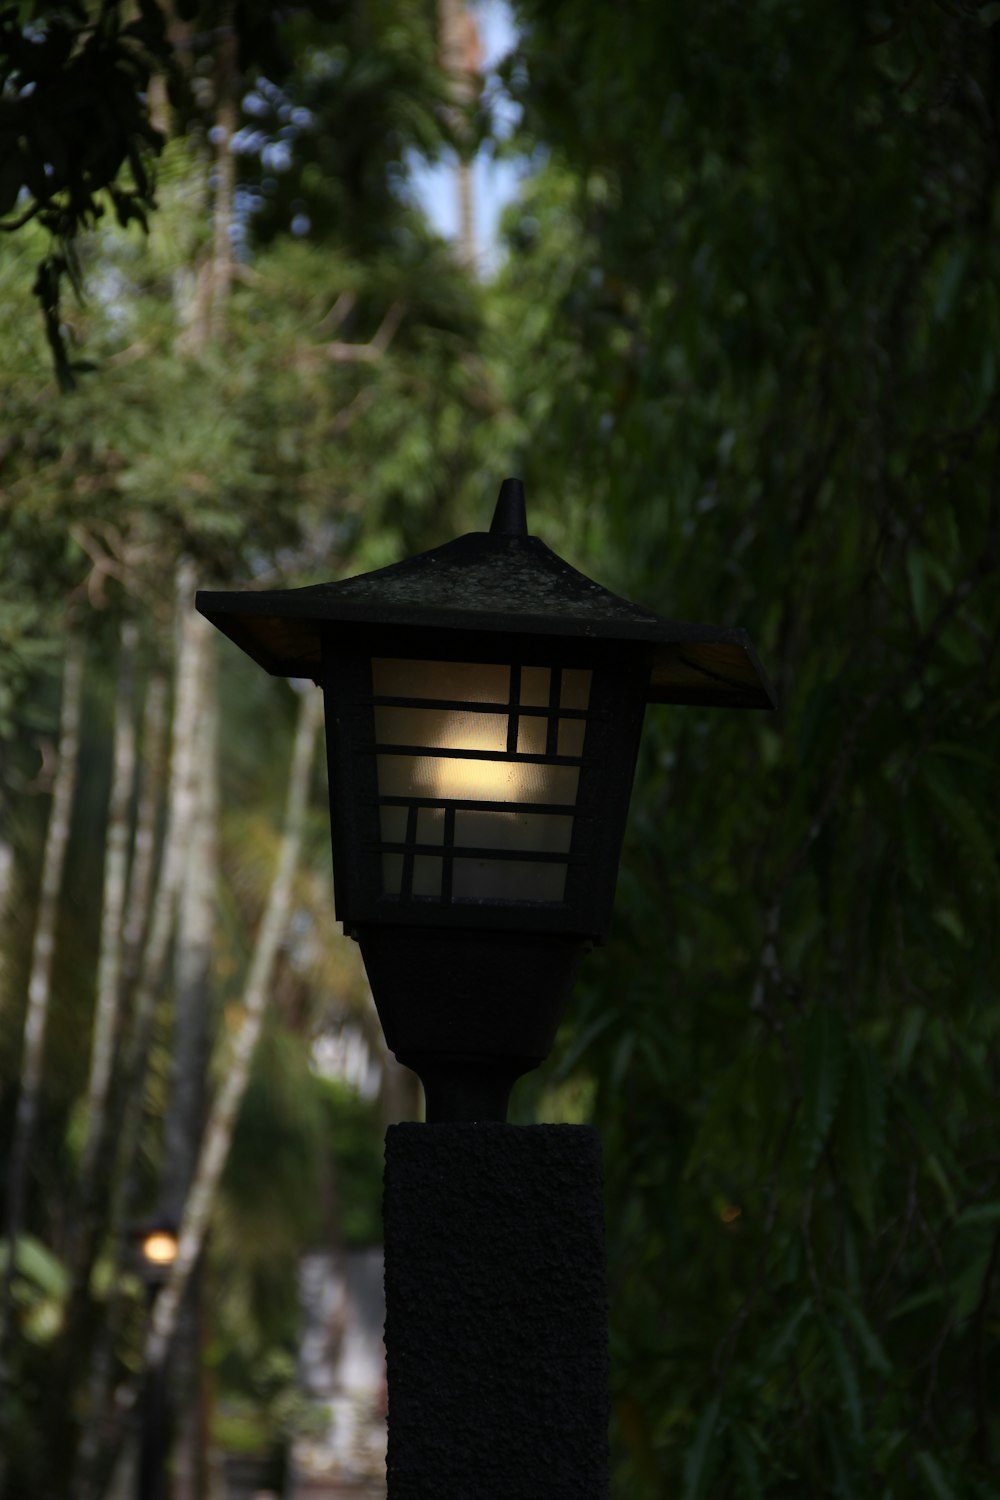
{"x":844,"y":1105}
{"x":700,"y":1460}
{"x":40,"y":979}
{"x":861,"y":1129}
{"x":824,"y":1053}
{"x":776,"y":437}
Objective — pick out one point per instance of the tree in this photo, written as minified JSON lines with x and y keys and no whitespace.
{"x":236,"y":429}
{"x":757,"y":295}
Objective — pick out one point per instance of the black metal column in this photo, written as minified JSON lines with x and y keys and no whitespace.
{"x":496,"y":1313}
{"x":154,"y":1436}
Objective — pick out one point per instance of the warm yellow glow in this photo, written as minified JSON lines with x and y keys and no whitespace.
{"x":422,"y":756}
{"x":476,"y":780}
{"x":160,"y":1248}
{"x":482,"y":781}
{"x":451,"y":777}
{"x":730,"y":1213}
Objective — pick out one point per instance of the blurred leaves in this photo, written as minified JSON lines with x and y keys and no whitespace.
{"x":331,"y":421}
{"x":824,"y":1067}
{"x":743,"y":351}
{"x":752,"y":300}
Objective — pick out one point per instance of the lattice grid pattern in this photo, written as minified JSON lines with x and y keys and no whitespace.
{"x":478,"y":771}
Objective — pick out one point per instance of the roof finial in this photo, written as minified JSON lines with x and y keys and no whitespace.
{"x":509,"y":518}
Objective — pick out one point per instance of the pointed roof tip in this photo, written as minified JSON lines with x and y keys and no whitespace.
{"x":510,"y":517}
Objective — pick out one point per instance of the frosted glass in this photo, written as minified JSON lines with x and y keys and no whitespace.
{"x":547,"y":833}
{"x":507,"y":880}
{"x":440,"y":728}
{"x":418,"y":774}
{"x":535,"y":683}
{"x":476,"y":780}
{"x":426,"y":875}
{"x":430,"y":825}
{"x":531,"y":736}
{"x":392,"y":824}
{"x":470,"y":681}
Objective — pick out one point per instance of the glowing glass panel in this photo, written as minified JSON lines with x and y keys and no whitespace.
{"x":417,"y":775}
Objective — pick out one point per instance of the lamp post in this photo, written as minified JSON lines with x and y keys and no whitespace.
{"x":156,"y":1250}
{"x":484,"y":703}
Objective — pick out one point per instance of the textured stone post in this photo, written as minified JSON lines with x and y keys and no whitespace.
{"x":496,"y":1313}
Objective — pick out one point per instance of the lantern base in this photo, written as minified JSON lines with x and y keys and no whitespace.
{"x":469,"y":1011}
{"x":462,"y":1089}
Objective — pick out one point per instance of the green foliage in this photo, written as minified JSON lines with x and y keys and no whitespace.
{"x":90,"y":91}
{"x":743,"y":351}
{"x":752,"y":316}
{"x":324,"y":423}
{"x":367,"y":91}
{"x":353,"y":1130}
{"x":305,"y":1171}
{"x":41,"y":1288}
{"x":75,"y":115}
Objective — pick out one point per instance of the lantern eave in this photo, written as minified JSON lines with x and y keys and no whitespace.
{"x":500,"y":584}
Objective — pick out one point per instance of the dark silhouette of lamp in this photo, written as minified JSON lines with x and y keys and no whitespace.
{"x":155,"y":1246}
{"x":484,"y":703}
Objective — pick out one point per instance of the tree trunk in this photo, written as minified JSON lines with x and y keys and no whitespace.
{"x":39,"y":990}
{"x":219,"y":1130}
{"x":180,"y":818}
{"x":125,"y":1176}
{"x":106,"y":1013}
{"x":91,"y":1203}
{"x":226,"y":121}
{"x":140,"y":880}
{"x":235,"y":1075}
{"x":207,"y":316}
{"x":461,"y":58}
{"x":6,"y":879}
{"x":185,"y":1116}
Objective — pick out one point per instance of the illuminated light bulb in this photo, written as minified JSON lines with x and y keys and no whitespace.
{"x":160,"y":1248}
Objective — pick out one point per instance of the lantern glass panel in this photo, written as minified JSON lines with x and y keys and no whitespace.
{"x":501,"y":814}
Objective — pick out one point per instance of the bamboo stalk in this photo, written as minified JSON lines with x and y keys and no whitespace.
{"x":125,"y":1168}
{"x":112,"y":916}
{"x":143,"y":866}
{"x":180,"y":815}
{"x":219,"y":1128}
{"x":185,"y":1114}
{"x":40,"y":984}
{"x":236,"y":1074}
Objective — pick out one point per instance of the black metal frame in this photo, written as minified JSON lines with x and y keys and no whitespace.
{"x":470,"y":991}
{"x":614,"y":721}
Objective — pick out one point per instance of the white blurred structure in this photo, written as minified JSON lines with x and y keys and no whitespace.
{"x":344,"y":1053}
{"x":342,"y":1369}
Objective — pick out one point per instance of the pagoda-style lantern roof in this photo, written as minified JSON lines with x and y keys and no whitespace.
{"x":504,"y":582}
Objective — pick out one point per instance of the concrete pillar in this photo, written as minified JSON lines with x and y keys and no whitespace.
{"x":496,"y":1313}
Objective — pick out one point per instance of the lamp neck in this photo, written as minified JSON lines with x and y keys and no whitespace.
{"x":466,"y":1088}
{"x":469,"y":1010}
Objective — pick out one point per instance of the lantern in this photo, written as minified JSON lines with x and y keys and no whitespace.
{"x":484,"y":703}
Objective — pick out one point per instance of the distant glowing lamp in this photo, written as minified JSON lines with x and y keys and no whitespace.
{"x":155,"y":1244}
{"x":484,"y":703}
{"x":159,"y":1248}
